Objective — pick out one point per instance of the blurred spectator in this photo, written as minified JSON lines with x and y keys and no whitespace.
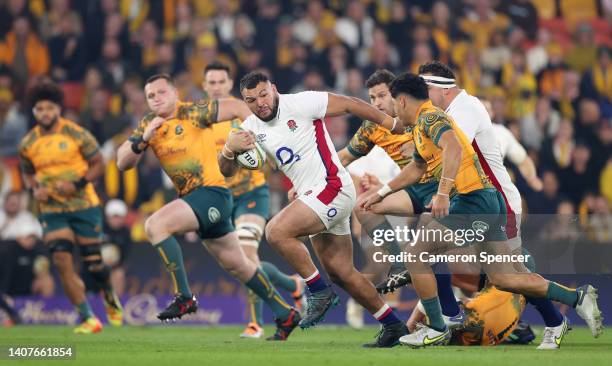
{"x":523,"y":14}
{"x":597,"y":81}
{"x":113,"y":65}
{"x":537,"y":56}
{"x":117,"y":242}
{"x":13,"y":125}
{"x":584,"y":52}
{"x":312,"y":81}
{"x":481,"y":21}
{"x":24,"y":52}
{"x":14,"y":215}
{"x":306,"y":28}
{"x":497,"y":54}
{"x":24,"y":265}
{"x":547,"y":200}
{"x":98,"y":118}
{"x":50,"y":24}
{"x":144,"y":54}
{"x":556,"y":153}
{"x":67,"y":49}
{"x":380,"y":56}
{"x":540,"y":125}
{"x":165,"y":61}
{"x":355,"y":28}
{"x":520,"y":84}
{"x":11,"y":10}
{"x":399,"y":27}
{"x":579,"y":178}
{"x":551,"y":79}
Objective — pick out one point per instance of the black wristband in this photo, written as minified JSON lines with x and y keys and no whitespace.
{"x":139,"y":145}
{"x":81,"y":183}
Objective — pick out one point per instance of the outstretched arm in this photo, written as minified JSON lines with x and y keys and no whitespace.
{"x":230,"y":108}
{"x":338,"y":105}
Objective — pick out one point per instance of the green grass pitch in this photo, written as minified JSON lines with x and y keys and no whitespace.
{"x":325,"y":345}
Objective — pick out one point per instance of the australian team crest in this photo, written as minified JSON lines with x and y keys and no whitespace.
{"x":178,"y":130}
{"x":63,"y":145}
{"x":292,"y":125}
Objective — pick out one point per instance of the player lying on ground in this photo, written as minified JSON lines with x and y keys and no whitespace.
{"x":60,"y":159}
{"x":439,"y":143}
{"x":491,"y":317}
{"x":290,"y":128}
{"x":251,"y":207}
{"x":180,"y":135}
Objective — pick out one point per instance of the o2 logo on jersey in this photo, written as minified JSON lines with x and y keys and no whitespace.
{"x":286,"y":156}
{"x":332,"y":212}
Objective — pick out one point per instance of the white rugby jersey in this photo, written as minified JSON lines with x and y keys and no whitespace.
{"x":473,"y":119}
{"x":298,"y":142}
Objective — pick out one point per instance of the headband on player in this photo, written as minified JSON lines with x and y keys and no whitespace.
{"x":439,"y":81}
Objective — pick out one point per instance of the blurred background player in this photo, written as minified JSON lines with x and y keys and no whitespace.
{"x":180,"y":135}
{"x":60,"y":159}
{"x":251,"y":205}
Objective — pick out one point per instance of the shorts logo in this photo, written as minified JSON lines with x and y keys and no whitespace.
{"x":251,"y":204}
{"x":178,"y":130}
{"x":214,"y":215}
{"x":292,"y":125}
{"x":308,"y":192}
{"x":332,"y":212}
{"x":480,"y":225}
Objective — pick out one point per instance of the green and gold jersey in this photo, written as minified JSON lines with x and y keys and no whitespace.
{"x":245,"y":180}
{"x":185,"y":146}
{"x":60,"y":155}
{"x":371,"y":134}
{"x":431,"y":123}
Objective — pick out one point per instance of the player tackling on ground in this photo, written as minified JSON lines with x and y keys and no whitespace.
{"x":290,"y":128}
{"x":180,"y":135}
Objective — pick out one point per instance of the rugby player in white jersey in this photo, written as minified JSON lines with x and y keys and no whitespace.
{"x":290,"y":128}
{"x":474,"y":120}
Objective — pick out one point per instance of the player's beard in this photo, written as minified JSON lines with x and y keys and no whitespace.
{"x":50,"y":126}
{"x":273,"y":113}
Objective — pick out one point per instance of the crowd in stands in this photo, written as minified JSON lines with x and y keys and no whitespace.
{"x":545,"y":66}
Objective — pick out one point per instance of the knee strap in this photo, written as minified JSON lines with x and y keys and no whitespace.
{"x":60,"y":245}
{"x":249,"y":234}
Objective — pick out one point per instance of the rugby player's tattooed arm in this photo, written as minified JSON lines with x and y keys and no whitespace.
{"x":339,"y":105}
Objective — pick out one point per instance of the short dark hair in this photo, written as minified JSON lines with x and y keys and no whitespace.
{"x":217,"y":65}
{"x":46,"y":91}
{"x":410,"y":84}
{"x":380,"y":76}
{"x":156,"y":77}
{"x":437,"y":68}
{"x":250,"y":80}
